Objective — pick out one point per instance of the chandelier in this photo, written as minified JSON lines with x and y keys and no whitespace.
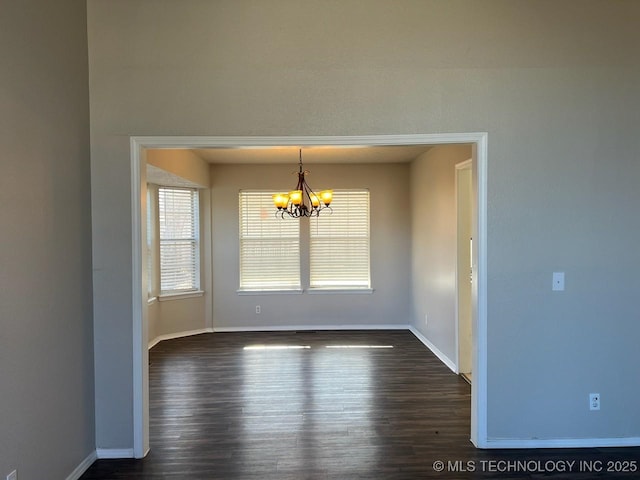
{"x":302,"y":202}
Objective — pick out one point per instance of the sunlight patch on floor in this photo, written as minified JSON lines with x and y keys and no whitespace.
{"x":359,"y":346}
{"x":275,"y":347}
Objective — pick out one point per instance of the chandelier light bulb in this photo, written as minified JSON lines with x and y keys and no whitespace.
{"x":296,"y":197}
{"x":326,"y":196}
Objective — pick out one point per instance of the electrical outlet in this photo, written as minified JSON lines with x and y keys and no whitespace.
{"x":558,"y":282}
{"x":426,"y":320}
{"x":594,"y":401}
{"x":13,"y":475}
{"x":258,"y":309}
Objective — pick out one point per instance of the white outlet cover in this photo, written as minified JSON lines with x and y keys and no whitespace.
{"x":558,"y":282}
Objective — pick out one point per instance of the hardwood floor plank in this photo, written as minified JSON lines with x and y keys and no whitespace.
{"x":348,"y":405}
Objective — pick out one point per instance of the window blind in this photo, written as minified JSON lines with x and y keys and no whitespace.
{"x":339,"y":243}
{"x":179,"y":239}
{"x":269,"y":245}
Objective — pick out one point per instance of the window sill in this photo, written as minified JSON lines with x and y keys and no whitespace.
{"x":340,"y":291}
{"x":311,"y":291}
{"x":152,"y":300}
{"x":269,"y":292}
{"x":179,"y":296}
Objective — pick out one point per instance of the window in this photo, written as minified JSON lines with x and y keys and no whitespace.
{"x":269,"y":245}
{"x":179,"y":240}
{"x":151,"y":211}
{"x":339,"y":243}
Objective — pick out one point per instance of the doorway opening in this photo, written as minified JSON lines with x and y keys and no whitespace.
{"x":479,"y":254}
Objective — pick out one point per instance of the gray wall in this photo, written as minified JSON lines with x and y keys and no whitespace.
{"x":433,"y":244}
{"x":390,"y":241}
{"x":555,"y":84}
{"x":177,"y":316}
{"x":46,"y":337}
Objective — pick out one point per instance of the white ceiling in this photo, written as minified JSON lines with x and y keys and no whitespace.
{"x":346,"y":154}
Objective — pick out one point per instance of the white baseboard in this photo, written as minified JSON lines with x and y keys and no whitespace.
{"x":114,"y":452}
{"x":83,"y":467}
{"x":436,"y":351}
{"x":563,"y":443}
{"x":170,"y":336}
{"x":294,"y":328}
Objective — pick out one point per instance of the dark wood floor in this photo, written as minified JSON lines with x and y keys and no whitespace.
{"x":331,"y":405}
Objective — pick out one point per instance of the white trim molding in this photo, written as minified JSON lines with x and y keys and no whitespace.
{"x":304,"y":328}
{"x":479,"y":172}
{"x":565,"y":443}
{"x":139,"y":144}
{"x":339,"y":291}
{"x":83,"y":466}
{"x":171,"y":336}
{"x":355,"y":141}
{"x":465,"y":165}
{"x":297,"y":291}
{"x":436,"y":351}
{"x":113,"y":453}
{"x":139,"y":297}
{"x":167,"y":297}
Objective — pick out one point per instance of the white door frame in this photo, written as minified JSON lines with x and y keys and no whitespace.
{"x":467,"y":164}
{"x":138,"y":211}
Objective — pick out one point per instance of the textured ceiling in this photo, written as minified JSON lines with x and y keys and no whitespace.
{"x":384,"y":154}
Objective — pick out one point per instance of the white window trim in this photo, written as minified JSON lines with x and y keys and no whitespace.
{"x":166,"y":294}
{"x":297,"y":291}
{"x":314,"y":290}
{"x":267,"y":234}
{"x":348,"y":226}
{"x":165,"y":297}
{"x":340,"y":291}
